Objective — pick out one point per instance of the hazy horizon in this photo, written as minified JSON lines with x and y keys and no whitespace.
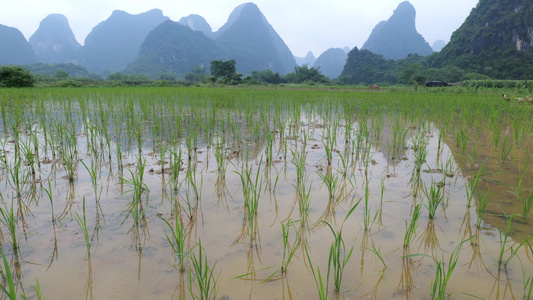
{"x":303,"y":25}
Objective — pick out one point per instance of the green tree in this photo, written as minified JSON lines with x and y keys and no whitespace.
{"x":117,"y":76}
{"x":197,"y":74}
{"x":305,"y":74}
{"x":412,"y":73}
{"x":167,"y":77}
{"x":226,"y":71}
{"x":15,"y":76}
{"x":363,"y":66}
{"x":267,"y":76}
{"x":61,"y":75}
{"x":221,"y":68}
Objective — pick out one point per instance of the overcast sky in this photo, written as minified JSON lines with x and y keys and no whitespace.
{"x":304,"y":25}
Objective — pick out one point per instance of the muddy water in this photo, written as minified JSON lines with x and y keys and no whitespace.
{"x":130,"y":260}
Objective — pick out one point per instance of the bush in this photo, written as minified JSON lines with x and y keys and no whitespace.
{"x":14,"y":76}
{"x":70,"y":83}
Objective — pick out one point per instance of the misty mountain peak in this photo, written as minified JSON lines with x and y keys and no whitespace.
{"x":331,"y":62}
{"x":253,"y":43}
{"x":397,"y":37}
{"x":308,"y":60}
{"x":115,"y":42}
{"x":404,"y":14}
{"x":246,"y":11}
{"x":54,"y":41}
{"x":14,"y":49}
{"x":197,"y":23}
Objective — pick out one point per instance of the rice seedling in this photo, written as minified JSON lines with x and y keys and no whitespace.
{"x":68,"y":158}
{"x":330,"y":181}
{"x":175,"y":166}
{"x":322,"y":287}
{"x":527,"y":204}
{"x":299,"y":160}
{"x":378,"y":253}
{"x":343,"y":164}
{"x":37,"y":289}
{"x":192,"y":184}
{"x":503,"y":237}
{"x":513,"y":251}
{"x":366,"y":212}
{"x":410,"y":228}
{"x":50,"y":197}
{"x":474,"y":180}
{"x":94,"y":173}
{"x":251,"y":189}
{"x":29,"y":155}
{"x":82,"y":222}
{"x":338,"y":256}
{"x":203,"y":284}
{"x":506,"y":149}
{"x":462,"y":140}
{"x":191,"y":142}
{"x":118,"y":152}
{"x":17,"y":178}
{"x":443,"y":272}
{"x":434,"y":197}
{"x":527,"y":284}
{"x":9,"y":219}
{"x":138,"y":187}
{"x":221,"y":159}
{"x":420,"y":153}
{"x":328,"y":141}
{"x":481,"y":207}
{"x":399,"y":133}
{"x":8,"y":277}
{"x":111,"y":119}
{"x":288,"y":251}
{"x":303,"y":195}
{"x":162,"y":156}
{"x":177,"y":240}
{"x":269,"y":137}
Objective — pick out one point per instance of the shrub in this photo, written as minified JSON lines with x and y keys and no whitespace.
{"x":15,"y":76}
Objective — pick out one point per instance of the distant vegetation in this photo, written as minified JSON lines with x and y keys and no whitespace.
{"x":13,"y":76}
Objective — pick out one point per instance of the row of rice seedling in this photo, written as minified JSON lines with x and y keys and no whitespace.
{"x":221,"y":150}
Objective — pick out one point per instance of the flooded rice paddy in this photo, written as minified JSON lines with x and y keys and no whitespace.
{"x":265,"y":194}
